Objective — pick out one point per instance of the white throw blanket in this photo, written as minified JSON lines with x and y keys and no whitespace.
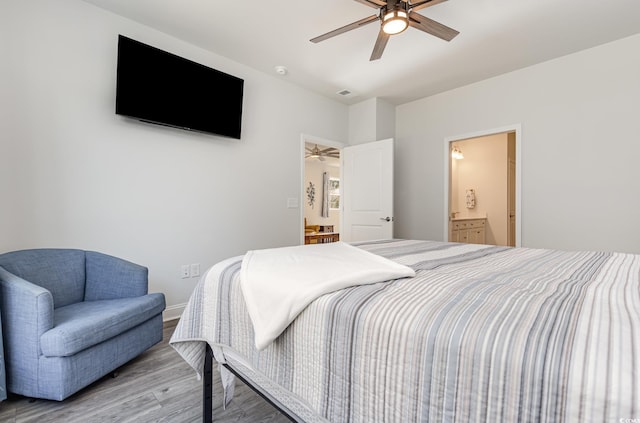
{"x":278,"y":283}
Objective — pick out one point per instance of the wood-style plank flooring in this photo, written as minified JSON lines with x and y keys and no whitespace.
{"x":158,"y":386}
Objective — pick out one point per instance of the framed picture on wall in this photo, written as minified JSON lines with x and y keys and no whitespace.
{"x":334,"y":194}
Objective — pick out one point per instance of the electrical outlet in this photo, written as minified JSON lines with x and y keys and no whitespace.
{"x":184,"y":271}
{"x":292,"y":203}
{"x":195,"y":270}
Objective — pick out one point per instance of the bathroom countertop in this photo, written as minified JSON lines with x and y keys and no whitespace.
{"x":454,"y":219}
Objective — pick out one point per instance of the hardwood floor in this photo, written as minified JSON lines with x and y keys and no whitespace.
{"x":158,"y":386}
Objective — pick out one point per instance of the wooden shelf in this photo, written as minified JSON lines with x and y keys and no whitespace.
{"x":321,"y":238}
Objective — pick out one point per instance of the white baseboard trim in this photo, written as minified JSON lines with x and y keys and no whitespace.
{"x":173,"y":312}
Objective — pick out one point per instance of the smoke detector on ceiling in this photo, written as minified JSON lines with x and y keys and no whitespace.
{"x":281,"y":70}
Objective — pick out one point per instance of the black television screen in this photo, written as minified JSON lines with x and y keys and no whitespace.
{"x":159,"y":87}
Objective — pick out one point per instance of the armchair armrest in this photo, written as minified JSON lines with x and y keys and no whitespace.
{"x":110,"y":277}
{"x":27,"y":313}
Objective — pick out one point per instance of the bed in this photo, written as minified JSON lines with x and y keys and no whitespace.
{"x":480,"y":333}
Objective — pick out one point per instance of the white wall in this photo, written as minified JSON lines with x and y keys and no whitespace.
{"x":580,"y":148}
{"x":362,"y":121}
{"x":371,"y":120}
{"x":385,"y":121}
{"x":73,"y":174}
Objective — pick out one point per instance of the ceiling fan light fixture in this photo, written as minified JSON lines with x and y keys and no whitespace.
{"x":395,"y":21}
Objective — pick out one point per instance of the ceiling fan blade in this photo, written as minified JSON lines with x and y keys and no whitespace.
{"x":345,"y":28}
{"x":432,"y":27}
{"x":381,"y":43}
{"x":376,"y":4}
{"x":423,"y":3}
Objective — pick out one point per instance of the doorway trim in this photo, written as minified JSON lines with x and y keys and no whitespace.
{"x":517,"y":128}
{"x":306,"y":138}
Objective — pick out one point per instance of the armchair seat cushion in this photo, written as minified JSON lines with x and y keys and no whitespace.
{"x":87,"y":323}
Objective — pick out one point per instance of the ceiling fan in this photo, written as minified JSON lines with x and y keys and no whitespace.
{"x":395,"y":16}
{"x":320,"y":154}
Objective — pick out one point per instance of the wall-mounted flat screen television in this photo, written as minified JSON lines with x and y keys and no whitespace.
{"x":159,"y":87}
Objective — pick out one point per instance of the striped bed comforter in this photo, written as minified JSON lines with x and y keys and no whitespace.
{"x":481,"y":334}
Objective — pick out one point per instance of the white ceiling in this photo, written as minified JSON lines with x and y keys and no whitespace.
{"x":496,"y":36}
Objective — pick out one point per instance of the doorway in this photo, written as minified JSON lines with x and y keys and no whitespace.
{"x":482,"y":187}
{"x":364,"y":188}
{"x":321,"y":173}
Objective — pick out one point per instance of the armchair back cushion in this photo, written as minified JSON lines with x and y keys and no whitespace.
{"x":109,"y":278}
{"x":60,"y":271}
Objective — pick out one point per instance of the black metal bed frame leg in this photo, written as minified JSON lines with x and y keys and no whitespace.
{"x":207,"y":390}
{"x":207,"y":386}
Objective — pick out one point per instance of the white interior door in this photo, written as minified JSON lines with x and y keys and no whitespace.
{"x":367,"y":191}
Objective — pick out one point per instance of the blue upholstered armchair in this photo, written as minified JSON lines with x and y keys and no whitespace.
{"x":70,"y":317}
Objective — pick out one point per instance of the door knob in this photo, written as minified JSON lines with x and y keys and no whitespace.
{"x":386,"y":219}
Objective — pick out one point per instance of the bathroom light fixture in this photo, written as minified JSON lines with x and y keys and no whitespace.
{"x":456,"y":153}
{"x":395,"y":21}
